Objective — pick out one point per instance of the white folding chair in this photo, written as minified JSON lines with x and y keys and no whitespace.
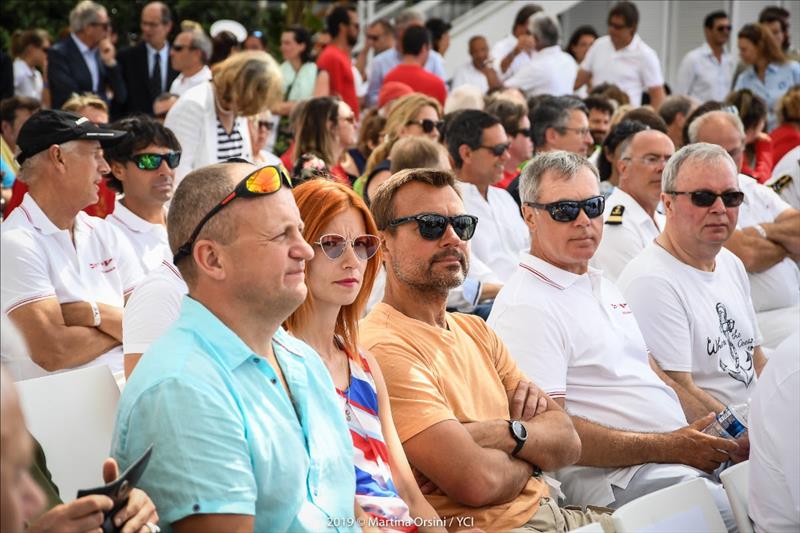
{"x":594,"y":527}
{"x":736,"y":481}
{"x":685,"y":507}
{"x":71,"y":414}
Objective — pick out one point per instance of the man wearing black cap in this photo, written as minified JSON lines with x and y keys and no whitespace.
{"x":65,"y":275}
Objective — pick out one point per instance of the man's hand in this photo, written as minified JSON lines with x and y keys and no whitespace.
{"x":743,"y":453}
{"x":108,"y":53}
{"x":140,"y":509}
{"x":690,"y":446}
{"x":83,"y":514}
{"x":426,"y":486}
{"x":526,"y":401}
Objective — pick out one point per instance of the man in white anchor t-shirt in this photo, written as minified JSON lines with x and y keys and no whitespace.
{"x":691,"y":296}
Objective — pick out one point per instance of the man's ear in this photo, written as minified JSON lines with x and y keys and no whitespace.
{"x":529,"y":216}
{"x":118,"y":169}
{"x":465,"y":153}
{"x":550,"y":136}
{"x":209,"y":259}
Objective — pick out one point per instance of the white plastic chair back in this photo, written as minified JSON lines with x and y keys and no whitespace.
{"x":71,"y":414}
{"x":685,"y":507}
{"x":594,"y":527}
{"x":736,"y":481}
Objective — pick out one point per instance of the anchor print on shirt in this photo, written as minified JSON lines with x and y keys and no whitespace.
{"x":734,"y":353}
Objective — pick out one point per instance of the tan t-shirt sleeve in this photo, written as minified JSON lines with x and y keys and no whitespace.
{"x":414,"y":391}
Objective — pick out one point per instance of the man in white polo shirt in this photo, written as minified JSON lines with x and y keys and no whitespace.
{"x":631,"y":220}
{"x":479,"y":147}
{"x":550,"y":70}
{"x":572,"y":329}
{"x":624,"y":59}
{"x":143,"y":169}
{"x":690,"y":295}
{"x":65,"y":275}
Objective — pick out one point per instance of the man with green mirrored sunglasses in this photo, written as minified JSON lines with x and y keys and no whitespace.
{"x":143,"y":171}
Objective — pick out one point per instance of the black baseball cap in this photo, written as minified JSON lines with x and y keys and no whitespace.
{"x":52,"y":126}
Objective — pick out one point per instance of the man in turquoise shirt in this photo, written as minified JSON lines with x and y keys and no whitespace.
{"x":247,"y":430}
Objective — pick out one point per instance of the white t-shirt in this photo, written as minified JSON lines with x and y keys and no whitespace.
{"x":634,"y":69}
{"x":774,"y":495}
{"x":39,"y":261}
{"x":152,"y":308}
{"x":549,"y":71}
{"x":787,"y":188}
{"x":467,"y":74}
{"x":622,"y":242}
{"x":27,"y":81}
{"x":501,"y":233}
{"x":578,"y":339}
{"x":504,"y":47}
{"x":696,"y":321}
{"x":149,"y":240}
{"x":777,"y":287}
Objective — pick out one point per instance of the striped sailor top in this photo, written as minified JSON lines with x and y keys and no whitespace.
{"x":229,"y":144}
{"x":375,"y":490}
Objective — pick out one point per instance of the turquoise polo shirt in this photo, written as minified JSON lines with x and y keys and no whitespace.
{"x":228,"y":439}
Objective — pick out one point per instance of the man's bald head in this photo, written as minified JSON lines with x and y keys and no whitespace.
{"x":198,"y":193}
{"x":723,"y":129}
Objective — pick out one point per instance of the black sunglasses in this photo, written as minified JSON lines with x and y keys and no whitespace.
{"x":568,"y":210}
{"x":265,"y":180}
{"x":427,"y":124}
{"x":153,"y":161}
{"x":707,"y":198}
{"x":432,"y":226}
{"x":498,"y":149}
{"x":724,"y":28}
{"x":333,"y":245}
{"x":524,"y":131}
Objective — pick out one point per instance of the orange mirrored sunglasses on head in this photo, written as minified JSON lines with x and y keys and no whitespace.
{"x":265,"y":180}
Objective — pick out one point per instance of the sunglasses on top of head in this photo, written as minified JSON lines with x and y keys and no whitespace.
{"x":262,"y":181}
{"x":568,"y":210}
{"x":427,"y":124}
{"x":364,"y":246}
{"x":704,"y":198}
{"x":153,"y":161}
{"x":432,"y":226}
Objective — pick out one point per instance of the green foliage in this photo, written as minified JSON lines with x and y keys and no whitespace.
{"x":53,"y":15}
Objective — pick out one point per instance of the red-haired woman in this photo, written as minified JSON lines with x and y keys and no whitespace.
{"x":339,"y":278}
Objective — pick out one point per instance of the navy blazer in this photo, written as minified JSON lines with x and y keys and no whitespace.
{"x":133,"y":62}
{"x":67,"y":73}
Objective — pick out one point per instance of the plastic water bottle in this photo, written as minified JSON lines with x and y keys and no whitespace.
{"x":730,"y":423}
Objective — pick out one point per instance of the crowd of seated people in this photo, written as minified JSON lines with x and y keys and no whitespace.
{"x":343,"y":292}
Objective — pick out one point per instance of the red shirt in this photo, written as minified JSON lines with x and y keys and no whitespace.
{"x":784,"y":138}
{"x":420,"y":80}
{"x":104,"y":206}
{"x":337,"y":64}
{"x":508,"y":177}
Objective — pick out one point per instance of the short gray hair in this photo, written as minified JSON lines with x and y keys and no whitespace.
{"x":32,"y":166}
{"x":406,"y":17}
{"x":702,"y":120}
{"x":703,"y":152}
{"x":200,"y":41}
{"x":564,"y":164}
{"x":84,"y":14}
{"x":673,"y":105}
{"x":545,"y":28}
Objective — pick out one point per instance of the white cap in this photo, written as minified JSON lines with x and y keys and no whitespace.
{"x":229,"y":25}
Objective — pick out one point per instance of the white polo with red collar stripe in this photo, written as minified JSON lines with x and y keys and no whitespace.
{"x":576,"y":337}
{"x":149,"y":240}
{"x":40,"y":261}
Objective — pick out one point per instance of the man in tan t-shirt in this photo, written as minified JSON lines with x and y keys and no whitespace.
{"x":475,"y":429}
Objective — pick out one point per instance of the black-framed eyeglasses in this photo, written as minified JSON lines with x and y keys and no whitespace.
{"x":364,"y":246}
{"x":264,"y":180}
{"x":498,"y":149}
{"x":582,"y":132}
{"x":724,"y":28}
{"x":705,"y":198}
{"x":427,"y":124}
{"x":568,"y":210}
{"x":153,"y":161}
{"x":433,"y":225}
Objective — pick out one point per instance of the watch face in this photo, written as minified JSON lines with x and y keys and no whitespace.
{"x":519,"y":430}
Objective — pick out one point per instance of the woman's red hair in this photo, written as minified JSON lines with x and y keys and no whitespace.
{"x":320,"y":201}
